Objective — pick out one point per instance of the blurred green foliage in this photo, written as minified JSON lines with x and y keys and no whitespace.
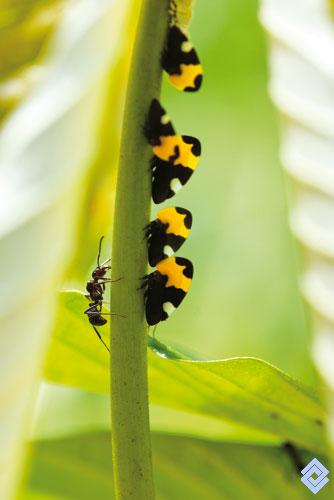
{"x":26,"y":28}
{"x":79,"y":467}
{"x":331,"y":6}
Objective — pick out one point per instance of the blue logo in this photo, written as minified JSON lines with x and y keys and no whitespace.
{"x":315,"y":476}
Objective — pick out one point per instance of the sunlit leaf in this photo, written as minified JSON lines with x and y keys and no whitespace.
{"x":247,"y":391}
{"x":62,"y":411}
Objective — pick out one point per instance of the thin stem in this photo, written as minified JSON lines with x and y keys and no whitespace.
{"x":129,"y":405}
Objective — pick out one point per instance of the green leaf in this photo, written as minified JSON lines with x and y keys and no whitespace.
{"x":79,"y":467}
{"x":244,"y":391}
{"x":64,"y":411}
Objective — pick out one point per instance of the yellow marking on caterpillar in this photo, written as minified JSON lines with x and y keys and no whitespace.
{"x":166,"y":149}
{"x":189,"y":73}
{"x":175,"y":221}
{"x":174,"y":272}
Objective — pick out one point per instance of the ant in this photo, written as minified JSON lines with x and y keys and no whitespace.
{"x":96,"y":287}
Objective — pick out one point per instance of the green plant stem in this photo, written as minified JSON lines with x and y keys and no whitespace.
{"x":129,"y":385}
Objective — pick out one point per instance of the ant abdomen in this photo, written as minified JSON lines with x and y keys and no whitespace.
{"x":97,"y":320}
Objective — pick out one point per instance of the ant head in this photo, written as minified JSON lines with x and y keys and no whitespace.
{"x":99,"y":272}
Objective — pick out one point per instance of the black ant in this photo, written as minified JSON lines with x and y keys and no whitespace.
{"x":96,"y":287}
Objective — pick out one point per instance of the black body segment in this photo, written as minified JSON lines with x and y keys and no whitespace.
{"x":157,"y":123}
{"x":181,"y":62}
{"x":167,"y":233}
{"x":167,"y":179}
{"x":175,"y":157}
{"x":166,"y":287}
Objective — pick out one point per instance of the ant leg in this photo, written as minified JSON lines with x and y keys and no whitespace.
{"x":98,"y":334}
{"x":90,"y":309}
{"x":107,"y":302}
{"x":107,"y":280}
{"x":95,"y":313}
{"x":112,"y":314}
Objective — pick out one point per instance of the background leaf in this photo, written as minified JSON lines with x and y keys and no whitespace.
{"x":45,"y":147}
{"x":26,"y":29}
{"x":63,"y":411}
{"x":79,"y":467}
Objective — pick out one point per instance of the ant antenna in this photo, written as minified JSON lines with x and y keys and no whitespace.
{"x":100,"y":246}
